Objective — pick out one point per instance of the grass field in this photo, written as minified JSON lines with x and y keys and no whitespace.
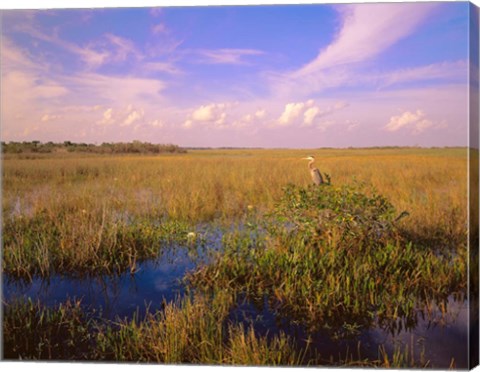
{"x":81,"y":214}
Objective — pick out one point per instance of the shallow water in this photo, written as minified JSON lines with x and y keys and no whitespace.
{"x":117,"y":296}
{"x":161,"y":280}
{"x":440,"y":342}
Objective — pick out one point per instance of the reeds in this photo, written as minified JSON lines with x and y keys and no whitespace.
{"x":338,"y":257}
{"x":332,"y":257}
{"x":192,"y":330}
{"x":75,"y":205}
{"x":33,"y":331}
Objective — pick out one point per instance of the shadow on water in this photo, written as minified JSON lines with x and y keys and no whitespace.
{"x":160,"y":280}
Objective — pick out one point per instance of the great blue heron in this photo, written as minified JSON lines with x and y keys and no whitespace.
{"x":316,"y":175}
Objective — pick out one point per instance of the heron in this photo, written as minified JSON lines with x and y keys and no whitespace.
{"x":316,"y":175}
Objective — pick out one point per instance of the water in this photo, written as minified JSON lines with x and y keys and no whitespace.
{"x":439,"y":341}
{"x":153,"y":282}
{"x":161,"y":280}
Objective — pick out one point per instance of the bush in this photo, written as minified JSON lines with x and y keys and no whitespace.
{"x":332,"y":258}
{"x":342,"y":215}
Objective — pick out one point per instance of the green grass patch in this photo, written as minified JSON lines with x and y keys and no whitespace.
{"x":76,"y":242}
{"x":333,"y":258}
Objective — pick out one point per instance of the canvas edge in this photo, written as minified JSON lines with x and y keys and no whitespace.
{"x":473,"y":183}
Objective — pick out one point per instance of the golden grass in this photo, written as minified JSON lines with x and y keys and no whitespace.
{"x":77,"y":212}
{"x":201,"y":186}
{"x":74,"y":205}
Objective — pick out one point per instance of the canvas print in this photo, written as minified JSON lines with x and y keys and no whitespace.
{"x":260,"y":185}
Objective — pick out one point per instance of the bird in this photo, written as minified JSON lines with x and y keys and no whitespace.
{"x":316,"y":175}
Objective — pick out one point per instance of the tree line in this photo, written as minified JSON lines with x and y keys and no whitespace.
{"x":135,"y":147}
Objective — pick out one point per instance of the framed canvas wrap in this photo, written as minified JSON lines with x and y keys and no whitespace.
{"x":255,"y":185}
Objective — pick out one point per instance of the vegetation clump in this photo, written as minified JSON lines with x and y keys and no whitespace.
{"x":34,"y":331}
{"x":343,"y":216}
{"x":77,"y":242}
{"x":332,"y":258}
{"x":192,"y":330}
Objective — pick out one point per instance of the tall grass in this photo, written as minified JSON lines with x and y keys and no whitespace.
{"x":333,"y":257}
{"x":337,"y":257}
{"x":89,"y":199}
{"x":192,"y":330}
{"x":32,"y":331}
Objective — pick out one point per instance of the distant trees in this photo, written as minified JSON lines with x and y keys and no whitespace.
{"x":135,"y":147}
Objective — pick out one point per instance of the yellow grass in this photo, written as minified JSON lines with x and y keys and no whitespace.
{"x":208,"y":184}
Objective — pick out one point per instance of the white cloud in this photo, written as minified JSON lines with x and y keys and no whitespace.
{"x":221,"y":120}
{"x":306,"y":113}
{"x":310,"y":114}
{"x":207,"y":113}
{"x":416,"y":121}
{"x":293,"y":111}
{"x":214,"y":113}
{"x":107,"y":117}
{"x":133,"y":116}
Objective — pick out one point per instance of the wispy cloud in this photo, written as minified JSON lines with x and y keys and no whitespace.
{"x":162,"y":66}
{"x":115,"y":48}
{"x":443,"y":71}
{"x":366,"y":31}
{"x":159,"y":28}
{"x":226,"y":56}
{"x":110,"y":49}
{"x":91,"y":57}
{"x":37,"y":90}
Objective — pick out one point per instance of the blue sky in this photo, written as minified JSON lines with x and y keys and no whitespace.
{"x":271,"y":76}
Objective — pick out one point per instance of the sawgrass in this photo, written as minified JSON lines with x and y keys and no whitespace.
{"x":312,"y":252}
{"x":72,"y":205}
{"x":192,"y":330}
{"x":333,"y":257}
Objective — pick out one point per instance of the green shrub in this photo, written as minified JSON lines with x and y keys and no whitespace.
{"x":332,"y":258}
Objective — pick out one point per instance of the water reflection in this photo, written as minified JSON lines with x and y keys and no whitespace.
{"x":438,"y":337}
{"x":121,"y":295}
{"x":442,"y":342}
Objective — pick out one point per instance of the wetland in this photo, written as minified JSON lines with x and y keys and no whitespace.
{"x":232,"y":257}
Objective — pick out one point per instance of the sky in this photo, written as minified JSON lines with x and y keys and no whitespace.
{"x":296,"y":76}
